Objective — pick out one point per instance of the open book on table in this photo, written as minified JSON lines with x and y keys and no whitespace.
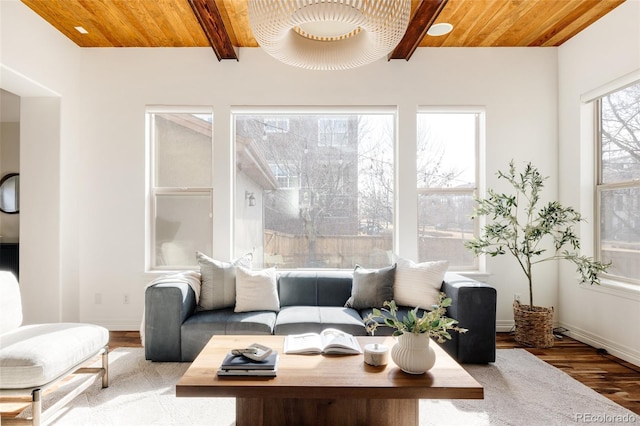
{"x":330,"y":341}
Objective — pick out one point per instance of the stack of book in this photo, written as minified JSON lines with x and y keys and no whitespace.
{"x":238,"y":365}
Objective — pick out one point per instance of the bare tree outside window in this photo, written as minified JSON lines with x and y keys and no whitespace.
{"x":619,"y":182}
{"x":326,"y":187}
{"x":446,"y":180}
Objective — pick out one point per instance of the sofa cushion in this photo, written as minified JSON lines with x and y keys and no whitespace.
{"x":34,"y":355}
{"x":218,"y":288}
{"x":371,"y":287}
{"x":226,"y":321}
{"x":313,"y":288}
{"x":198,"y":329}
{"x":418,"y":284}
{"x":256,"y":290}
{"x":314,"y":319}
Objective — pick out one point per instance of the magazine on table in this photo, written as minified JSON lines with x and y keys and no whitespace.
{"x":239,"y":362}
{"x":329,"y":341}
{"x":238,"y":365}
{"x":260,"y":373}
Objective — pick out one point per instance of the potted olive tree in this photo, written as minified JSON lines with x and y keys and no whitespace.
{"x":532,"y":232}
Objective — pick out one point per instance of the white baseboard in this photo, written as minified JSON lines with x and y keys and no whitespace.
{"x":621,"y":351}
{"x":615,"y":349}
{"x":504,"y":326}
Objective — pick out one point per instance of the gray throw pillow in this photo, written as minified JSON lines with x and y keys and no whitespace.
{"x":371,"y":287}
{"x":218,"y":288}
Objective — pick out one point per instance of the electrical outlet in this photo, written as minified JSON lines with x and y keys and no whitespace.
{"x":125,"y":299}
{"x":97,"y":298}
{"x":516,"y":297}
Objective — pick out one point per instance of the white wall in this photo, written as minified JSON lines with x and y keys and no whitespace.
{"x":40,"y":65}
{"x":604,"y":316}
{"x":100,"y":174}
{"x":517,"y":87}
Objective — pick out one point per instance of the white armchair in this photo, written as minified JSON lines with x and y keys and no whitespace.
{"x":35,"y":357}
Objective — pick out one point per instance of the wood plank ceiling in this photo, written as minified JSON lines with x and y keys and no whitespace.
{"x":224,"y":24}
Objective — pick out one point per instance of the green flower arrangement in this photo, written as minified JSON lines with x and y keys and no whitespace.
{"x":434,"y":322}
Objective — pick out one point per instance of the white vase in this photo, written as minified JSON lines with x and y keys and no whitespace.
{"x":413,"y":354}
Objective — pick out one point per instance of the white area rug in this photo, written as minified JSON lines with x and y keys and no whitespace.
{"x":520,"y":389}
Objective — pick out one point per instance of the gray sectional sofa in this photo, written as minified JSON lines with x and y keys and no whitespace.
{"x":310,"y":301}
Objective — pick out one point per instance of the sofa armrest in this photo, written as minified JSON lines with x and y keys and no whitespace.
{"x":166,"y":307}
{"x":474,"y":307}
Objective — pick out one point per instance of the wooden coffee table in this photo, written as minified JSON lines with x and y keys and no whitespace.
{"x":325,"y":389}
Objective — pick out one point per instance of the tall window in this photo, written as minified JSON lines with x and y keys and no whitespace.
{"x":324,"y":189}
{"x":447,"y":170}
{"x":618,"y":186}
{"x":180,"y":188}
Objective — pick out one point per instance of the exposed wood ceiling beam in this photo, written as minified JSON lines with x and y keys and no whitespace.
{"x":213,"y":26}
{"x":423,"y":17}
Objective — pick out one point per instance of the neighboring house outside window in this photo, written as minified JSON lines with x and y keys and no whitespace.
{"x":333,"y":131}
{"x":325,"y":187}
{"x":618,"y":183}
{"x":286,"y":178}
{"x":180,"y":186}
{"x":447,"y":166}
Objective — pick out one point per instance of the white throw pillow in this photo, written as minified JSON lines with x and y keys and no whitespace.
{"x":418,"y":284}
{"x":256,"y":290}
{"x":218,"y":288}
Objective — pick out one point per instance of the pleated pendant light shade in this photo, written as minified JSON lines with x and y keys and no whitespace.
{"x":329,"y":34}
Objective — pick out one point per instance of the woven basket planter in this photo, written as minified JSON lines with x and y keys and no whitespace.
{"x":534,"y":327}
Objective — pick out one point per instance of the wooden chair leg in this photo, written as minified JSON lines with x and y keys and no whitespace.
{"x":36,"y":407}
{"x":105,"y":367}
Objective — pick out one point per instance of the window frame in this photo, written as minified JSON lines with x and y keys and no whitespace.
{"x":339,"y":112}
{"x":399,"y":231}
{"x":601,"y":188}
{"x":154,"y":191}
